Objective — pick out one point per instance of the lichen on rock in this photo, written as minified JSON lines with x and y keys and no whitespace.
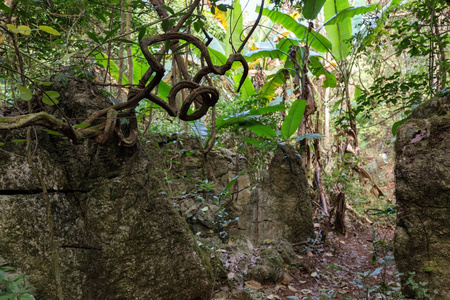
{"x":422,"y":237}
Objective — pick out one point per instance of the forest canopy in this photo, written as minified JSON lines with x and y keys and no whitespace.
{"x":283,"y":72}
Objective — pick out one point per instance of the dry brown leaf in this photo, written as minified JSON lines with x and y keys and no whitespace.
{"x":253,"y":284}
{"x":292,"y":288}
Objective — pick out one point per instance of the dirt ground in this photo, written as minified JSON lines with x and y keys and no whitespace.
{"x":356,"y":265}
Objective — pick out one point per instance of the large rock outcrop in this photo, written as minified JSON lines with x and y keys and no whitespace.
{"x":116,"y":229}
{"x":117,"y":237}
{"x":279,"y":207}
{"x":422,"y":237}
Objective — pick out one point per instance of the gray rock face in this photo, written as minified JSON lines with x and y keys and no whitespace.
{"x":422,"y":237}
{"x":117,"y":233}
{"x":117,"y":237}
{"x":279,"y":208}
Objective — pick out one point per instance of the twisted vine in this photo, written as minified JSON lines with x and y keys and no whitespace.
{"x":203,"y":96}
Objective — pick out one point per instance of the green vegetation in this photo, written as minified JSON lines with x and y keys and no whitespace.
{"x":333,"y":78}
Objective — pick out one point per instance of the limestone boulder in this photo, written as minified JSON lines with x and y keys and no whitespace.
{"x":116,"y":236}
{"x":422,"y":172}
{"x":279,"y":207}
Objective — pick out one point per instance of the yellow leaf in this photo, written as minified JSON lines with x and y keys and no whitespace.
{"x":222,"y":17}
{"x":49,"y":29}
{"x":23,"y":29}
{"x":2,"y":38}
{"x":295,"y":15}
{"x":254,"y":63}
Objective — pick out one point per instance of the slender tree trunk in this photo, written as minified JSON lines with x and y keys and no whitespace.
{"x":129,"y":48}
{"x":111,"y":22}
{"x":121,"y":58}
{"x":326,"y":130}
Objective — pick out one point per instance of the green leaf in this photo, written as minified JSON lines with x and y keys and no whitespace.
{"x":262,"y":130}
{"x":166,"y":24}
{"x":217,"y":57}
{"x":317,"y":68}
{"x":26,"y":296}
{"x":265,"y":53}
{"x":239,"y":118}
{"x":199,"y":25}
{"x":140,"y":65}
{"x":82,"y":125}
{"x":49,"y":29}
{"x":301,"y":31}
{"x":93,"y":36}
{"x":293,"y":119}
{"x":223,"y":7}
{"x":50,"y":97}
{"x":351,"y":12}
{"x":2,"y":144}
{"x":428,"y":269}
{"x":102,"y":59}
{"x":340,"y":33}
{"x":247,"y":88}
{"x":311,"y":8}
{"x":267,"y":109}
{"x":18,"y":141}
{"x":231,"y":183}
{"x":254,"y":142}
{"x":24,"y":93}
{"x":396,"y":125}
{"x":5,"y":8}
{"x":168,"y":8}
{"x":247,"y":118}
{"x":272,"y":83}
{"x":141,"y":34}
{"x":52,"y":132}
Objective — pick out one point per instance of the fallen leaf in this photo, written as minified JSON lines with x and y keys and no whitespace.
{"x":254,"y":284}
{"x":286,"y":279}
{"x":306,"y":291}
{"x":230,"y":275}
{"x":292,"y":288}
{"x":250,"y":246}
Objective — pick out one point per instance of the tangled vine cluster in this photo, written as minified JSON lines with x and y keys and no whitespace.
{"x":103,"y":124}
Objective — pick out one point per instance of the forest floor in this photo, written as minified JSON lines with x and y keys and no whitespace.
{"x":356,"y":265}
